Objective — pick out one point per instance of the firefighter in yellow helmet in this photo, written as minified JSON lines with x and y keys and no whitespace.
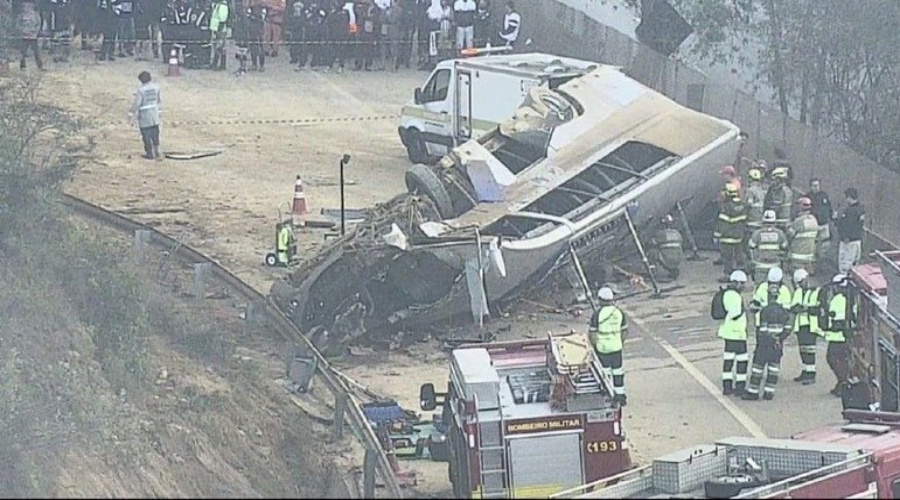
{"x":802,"y":234}
{"x":755,"y":196}
{"x":731,"y":230}
{"x":780,"y":197}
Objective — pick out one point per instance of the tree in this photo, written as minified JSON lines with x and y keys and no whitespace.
{"x":40,"y":147}
{"x":831,"y":65}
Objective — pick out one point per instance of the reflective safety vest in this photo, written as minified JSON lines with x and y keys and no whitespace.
{"x":806,"y":300}
{"x":284,"y":238}
{"x":767,"y":245}
{"x":837,"y":323}
{"x":734,"y":326}
{"x":756,"y":195}
{"x":774,"y":321}
{"x":803,"y":232}
{"x":761,"y":297}
{"x":607,"y":324}
{"x":732,"y":222}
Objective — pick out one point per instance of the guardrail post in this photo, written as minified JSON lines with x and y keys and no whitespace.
{"x":340,"y":406}
{"x":369,"y":474}
{"x":250,"y":313}
{"x":142,"y":238}
{"x":202,"y":271}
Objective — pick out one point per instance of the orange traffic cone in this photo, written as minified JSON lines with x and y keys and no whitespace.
{"x":299,"y":205}
{"x":174,"y":69}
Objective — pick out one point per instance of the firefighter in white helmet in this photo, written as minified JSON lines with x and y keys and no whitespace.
{"x":806,"y":306}
{"x":607,"y":329}
{"x":761,"y":294}
{"x":728,"y":307}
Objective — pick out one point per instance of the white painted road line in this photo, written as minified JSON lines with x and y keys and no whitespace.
{"x":740,"y":415}
{"x":752,"y":427}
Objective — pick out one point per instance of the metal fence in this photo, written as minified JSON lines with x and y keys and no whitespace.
{"x":560,"y":29}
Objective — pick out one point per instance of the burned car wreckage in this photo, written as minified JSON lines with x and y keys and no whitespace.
{"x":502,"y":212}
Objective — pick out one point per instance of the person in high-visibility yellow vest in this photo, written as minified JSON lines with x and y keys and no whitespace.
{"x":607,"y":329}
{"x":839,"y":322}
{"x":761,"y":293}
{"x":285,"y":243}
{"x":733,"y":331}
{"x":805,"y":307}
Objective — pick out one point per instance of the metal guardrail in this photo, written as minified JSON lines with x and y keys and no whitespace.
{"x":346,"y":405}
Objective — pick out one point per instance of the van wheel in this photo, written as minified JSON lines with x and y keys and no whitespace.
{"x":422,"y":180}
{"x":415,"y":146}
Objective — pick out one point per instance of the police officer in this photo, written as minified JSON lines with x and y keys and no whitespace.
{"x":607,"y":328}
{"x":146,"y":110}
{"x":755,"y":197}
{"x":668,"y":246}
{"x":731,"y":229}
{"x":803,"y":232}
{"x":285,"y":250}
{"x":774,"y":280}
{"x":780,"y":197}
{"x":805,"y":308}
{"x":733,"y":331}
{"x":767,"y":246}
{"x":838,"y":322}
{"x":774,"y":327}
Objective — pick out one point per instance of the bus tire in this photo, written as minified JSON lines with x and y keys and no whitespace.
{"x":422,"y":180}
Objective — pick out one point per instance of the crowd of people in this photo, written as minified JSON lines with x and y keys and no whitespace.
{"x":780,"y":237}
{"x":318,"y":34}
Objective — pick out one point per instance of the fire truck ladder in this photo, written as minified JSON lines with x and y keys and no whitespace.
{"x":575,"y":358}
{"x":491,"y":455}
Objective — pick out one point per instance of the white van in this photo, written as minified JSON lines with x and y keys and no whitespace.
{"x":463,"y":98}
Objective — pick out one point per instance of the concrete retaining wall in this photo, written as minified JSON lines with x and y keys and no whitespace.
{"x":557,"y":28}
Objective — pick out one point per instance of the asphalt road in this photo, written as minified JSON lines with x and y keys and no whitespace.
{"x":673,"y":363}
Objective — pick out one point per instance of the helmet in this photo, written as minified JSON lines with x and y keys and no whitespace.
{"x":731,"y":188}
{"x":762,"y":164}
{"x":800,"y":275}
{"x":780,"y":173}
{"x":769,"y":216}
{"x":728,"y":170}
{"x":839,"y":279}
{"x":668,"y":219}
{"x":754,"y":174}
{"x":775,"y":275}
{"x":805,"y":203}
{"x":738,"y":276}
{"x":605,"y":293}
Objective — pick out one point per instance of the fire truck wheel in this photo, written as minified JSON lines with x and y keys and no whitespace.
{"x":420,"y":179}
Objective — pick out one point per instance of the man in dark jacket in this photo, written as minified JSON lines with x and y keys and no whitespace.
{"x":107,"y":23}
{"x":850,"y":222}
{"x":822,"y":211}
{"x":256,"y":24}
{"x":147,"y":17}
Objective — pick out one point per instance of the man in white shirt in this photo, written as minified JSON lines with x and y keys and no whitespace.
{"x":511,"y":21}
{"x":464,"y":16}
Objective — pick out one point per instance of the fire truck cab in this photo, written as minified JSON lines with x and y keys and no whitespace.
{"x":528,"y":418}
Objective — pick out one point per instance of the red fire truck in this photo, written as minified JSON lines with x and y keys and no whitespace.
{"x":858,"y":458}
{"x":528,"y":418}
